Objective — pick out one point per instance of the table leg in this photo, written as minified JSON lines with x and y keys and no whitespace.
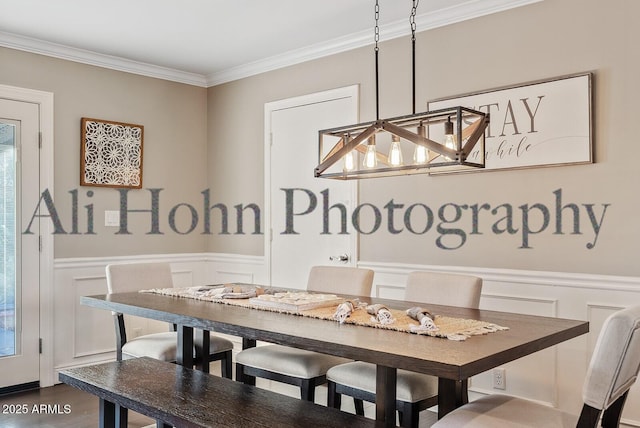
{"x":248,"y":343}
{"x":451,"y":395}
{"x":464,"y":391}
{"x":107,"y":414}
{"x":202,"y":351}
{"x":122,"y":416}
{"x":386,"y":395}
{"x":184,"y":355}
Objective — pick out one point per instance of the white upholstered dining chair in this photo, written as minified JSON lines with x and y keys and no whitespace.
{"x":131,"y":277}
{"x":414,"y":391}
{"x":305,"y":369}
{"x":612,"y":371}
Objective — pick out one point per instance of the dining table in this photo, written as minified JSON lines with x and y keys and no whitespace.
{"x":453,"y":362}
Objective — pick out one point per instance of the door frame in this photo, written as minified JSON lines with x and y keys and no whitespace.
{"x":351,"y":91}
{"x":44,"y":100}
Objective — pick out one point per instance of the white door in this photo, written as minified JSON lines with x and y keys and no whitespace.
{"x":19,"y":252}
{"x":308,"y":218}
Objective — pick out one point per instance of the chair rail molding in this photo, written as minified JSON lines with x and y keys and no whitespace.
{"x":514,"y":276}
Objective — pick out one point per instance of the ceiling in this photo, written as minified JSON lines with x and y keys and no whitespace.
{"x":207,"y":42}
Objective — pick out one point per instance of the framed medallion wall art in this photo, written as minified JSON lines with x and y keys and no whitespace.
{"x":111,"y":154}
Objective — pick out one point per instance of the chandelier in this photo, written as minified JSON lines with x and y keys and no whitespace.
{"x":450,"y":139}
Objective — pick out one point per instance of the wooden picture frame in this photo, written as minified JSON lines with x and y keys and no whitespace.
{"x":535,"y":124}
{"x":111,"y":154}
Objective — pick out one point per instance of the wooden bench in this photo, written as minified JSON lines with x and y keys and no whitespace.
{"x":182,"y":397}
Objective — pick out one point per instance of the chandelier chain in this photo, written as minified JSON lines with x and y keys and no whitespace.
{"x":412,"y":18}
{"x":376,"y":36}
{"x":376,"y":39}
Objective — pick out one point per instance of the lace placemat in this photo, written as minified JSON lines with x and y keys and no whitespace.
{"x":241,"y":295}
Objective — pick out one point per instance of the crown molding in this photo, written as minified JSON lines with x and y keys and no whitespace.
{"x":468,"y":10}
{"x":55,"y":50}
{"x":451,"y":15}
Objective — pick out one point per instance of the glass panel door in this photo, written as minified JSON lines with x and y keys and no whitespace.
{"x":8,"y":345}
{"x":19,"y":252}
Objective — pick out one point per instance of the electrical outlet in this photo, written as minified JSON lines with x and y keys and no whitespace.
{"x":499,"y":378}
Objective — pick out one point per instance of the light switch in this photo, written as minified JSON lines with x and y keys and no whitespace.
{"x":112,"y":218}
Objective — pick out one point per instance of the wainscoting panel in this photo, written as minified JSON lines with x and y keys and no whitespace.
{"x":223,"y":277}
{"x":86,"y":321}
{"x":386,"y":291}
{"x":224,"y":268}
{"x":88,"y":335}
{"x":523,"y":376}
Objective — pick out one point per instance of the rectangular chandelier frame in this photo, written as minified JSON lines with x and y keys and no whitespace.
{"x":468,"y":134}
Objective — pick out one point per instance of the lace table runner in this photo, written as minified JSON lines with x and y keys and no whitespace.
{"x":447,"y":327}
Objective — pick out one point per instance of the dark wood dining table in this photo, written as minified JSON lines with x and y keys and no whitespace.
{"x":453,"y":362}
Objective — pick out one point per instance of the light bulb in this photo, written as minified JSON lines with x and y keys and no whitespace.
{"x":395,"y":154}
{"x":449,"y":140}
{"x":421,"y":154}
{"x":349,"y":163}
{"x":370,"y":160}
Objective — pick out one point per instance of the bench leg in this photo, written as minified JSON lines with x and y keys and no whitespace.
{"x":107,"y":414}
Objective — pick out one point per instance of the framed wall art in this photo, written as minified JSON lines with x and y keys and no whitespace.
{"x":111,"y":154}
{"x":534,"y":124}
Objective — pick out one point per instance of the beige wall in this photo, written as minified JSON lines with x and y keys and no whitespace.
{"x":175,"y":149}
{"x":544,"y":40}
{"x":197,"y":139}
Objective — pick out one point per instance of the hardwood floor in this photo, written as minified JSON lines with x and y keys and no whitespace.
{"x":59,"y":406}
